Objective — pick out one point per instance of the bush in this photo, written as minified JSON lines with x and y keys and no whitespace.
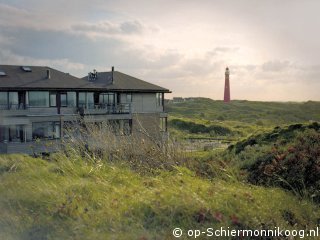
{"x":200,"y":128}
{"x":295,"y":167}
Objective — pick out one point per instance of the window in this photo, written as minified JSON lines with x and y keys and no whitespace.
{"x":53,"y":99}
{"x":3,"y":100}
{"x":90,"y":100}
{"x":63,"y":99}
{"x":46,"y":130}
{"x":13,"y":100}
{"x":163,"y":124}
{"x":4,"y":133}
{"x":159,"y":99}
{"x":12,"y":133}
{"x":107,"y":98}
{"x":86,"y":100}
{"x":72,"y":99}
{"x":38,"y":99}
{"x":129,"y":97}
{"x":82,"y":99}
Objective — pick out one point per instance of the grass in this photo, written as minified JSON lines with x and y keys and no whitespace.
{"x":243,"y":118}
{"x":132,"y":189}
{"x":75,"y":199}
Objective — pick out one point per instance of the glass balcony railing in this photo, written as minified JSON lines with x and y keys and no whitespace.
{"x":122,"y":108}
{"x":20,"y":106}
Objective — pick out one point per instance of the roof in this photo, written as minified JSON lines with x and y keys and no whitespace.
{"x":123,"y":81}
{"x":17,"y":78}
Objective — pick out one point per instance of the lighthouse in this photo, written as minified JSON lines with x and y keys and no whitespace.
{"x":227,"y":86}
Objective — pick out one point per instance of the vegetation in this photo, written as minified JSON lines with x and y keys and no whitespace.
{"x":242,"y":118}
{"x":124,"y":187}
{"x":69,"y":198}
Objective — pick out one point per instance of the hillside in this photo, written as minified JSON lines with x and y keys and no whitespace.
{"x":68,"y":198}
{"x":247,"y":111}
{"x":135,"y":189}
{"x":238,"y":118}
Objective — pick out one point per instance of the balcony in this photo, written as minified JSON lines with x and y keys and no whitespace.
{"x":91,"y":109}
{"x":20,"y":106}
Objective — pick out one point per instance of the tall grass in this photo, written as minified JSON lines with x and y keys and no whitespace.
{"x":104,"y":143}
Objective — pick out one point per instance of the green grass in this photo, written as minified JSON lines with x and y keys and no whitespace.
{"x":243,"y":118}
{"x":75,"y":199}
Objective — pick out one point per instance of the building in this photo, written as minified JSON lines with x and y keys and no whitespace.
{"x":37,"y":102}
{"x":227,"y":86}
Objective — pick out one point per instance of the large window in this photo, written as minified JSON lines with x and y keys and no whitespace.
{"x":9,"y":100}
{"x":86,"y":99}
{"x":13,"y":100}
{"x":38,"y":99}
{"x":12,"y":133}
{"x":129,"y":98}
{"x":3,"y":100}
{"x":46,"y":130}
{"x":63,"y":99}
{"x":53,"y":99}
{"x":107,"y":98}
{"x":72,"y":99}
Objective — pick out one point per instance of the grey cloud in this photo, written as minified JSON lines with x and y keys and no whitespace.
{"x":127,"y":27}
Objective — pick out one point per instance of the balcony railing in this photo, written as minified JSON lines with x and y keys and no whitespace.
{"x":122,"y":108}
{"x":20,"y":106}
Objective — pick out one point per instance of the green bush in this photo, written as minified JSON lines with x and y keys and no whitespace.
{"x":192,"y":127}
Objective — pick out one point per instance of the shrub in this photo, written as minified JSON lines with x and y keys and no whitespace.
{"x":200,"y":128}
{"x":295,"y":167}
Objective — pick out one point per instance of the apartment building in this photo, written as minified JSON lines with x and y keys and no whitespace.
{"x":36,"y":103}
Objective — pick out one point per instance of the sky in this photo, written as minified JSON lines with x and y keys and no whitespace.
{"x":272,"y":47}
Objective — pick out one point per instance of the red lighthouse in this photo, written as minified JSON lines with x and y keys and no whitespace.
{"x":227,"y":87}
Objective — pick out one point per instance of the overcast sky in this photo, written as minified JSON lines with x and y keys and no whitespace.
{"x":271,"y":46}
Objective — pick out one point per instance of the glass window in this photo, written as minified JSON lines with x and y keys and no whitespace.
{"x":82,"y":99}
{"x":3,"y":100}
{"x":72,"y":99}
{"x":16,"y":133}
{"x":4,"y":133}
{"x":38,"y":99}
{"x":63,"y":99}
{"x":46,"y":130}
{"x":90,"y":100}
{"x":159,"y":97}
{"x":86,"y":99}
{"x":53,"y":99}
{"x":107,"y":98}
{"x":129,"y":97}
{"x":13,"y":98}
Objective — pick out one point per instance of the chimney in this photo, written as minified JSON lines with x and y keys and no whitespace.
{"x":48,"y":74}
{"x":112,"y":73}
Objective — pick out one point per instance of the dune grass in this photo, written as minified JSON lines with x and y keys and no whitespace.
{"x":63,"y":198}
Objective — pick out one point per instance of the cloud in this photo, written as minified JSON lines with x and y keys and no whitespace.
{"x":276,"y":66}
{"x":106,"y":27}
{"x":61,"y":64}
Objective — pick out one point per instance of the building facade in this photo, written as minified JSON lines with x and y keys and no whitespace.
{"x":36,"y":103}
